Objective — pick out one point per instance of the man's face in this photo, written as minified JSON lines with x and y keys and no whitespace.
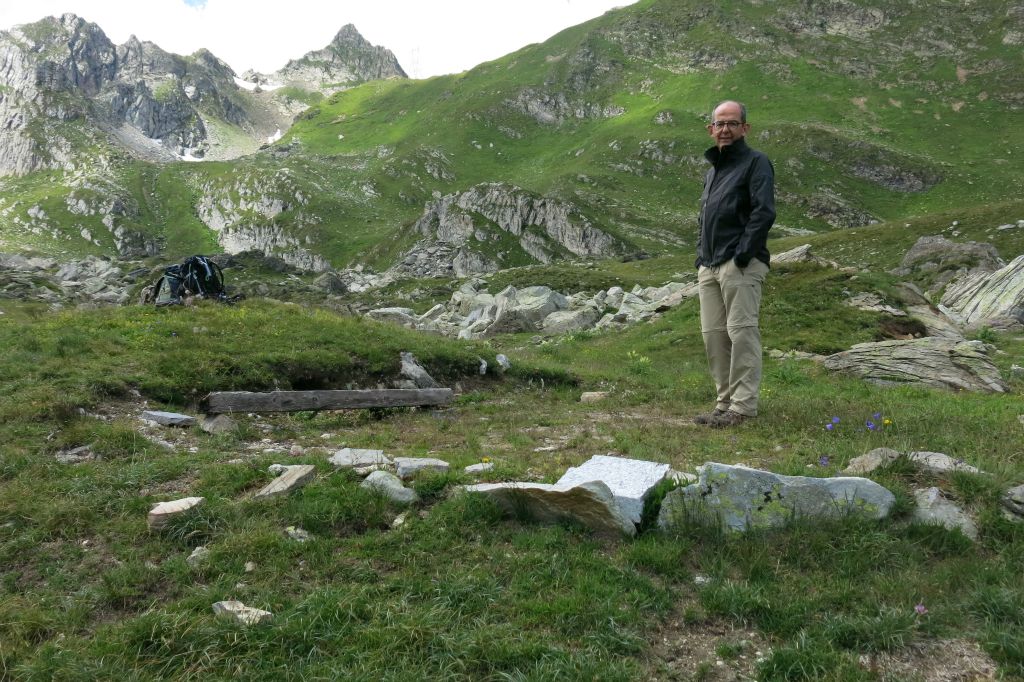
{"x":726,"y":126}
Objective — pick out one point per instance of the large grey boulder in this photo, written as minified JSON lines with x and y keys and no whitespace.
{"x":940,"y":363}
{"x":741,"y":499}
{"x":989,"y":299}
{"x":591,"y":504}
{"x":630,"y":480}
{"x":566,"y":321}
{"x":933,"y":508}
{"x":525,"y":309}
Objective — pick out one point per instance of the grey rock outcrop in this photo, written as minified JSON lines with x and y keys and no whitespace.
{"x":935,"y":362}
{"x":741,"y":499}
{"x":982,"y":299}
{"x":941,"y":260}
{"x":512,"y":223}
{"x":413,"y":372}
{"x":348,"y":60}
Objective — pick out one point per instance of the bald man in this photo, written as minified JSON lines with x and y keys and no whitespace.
{"x":737,"y":208}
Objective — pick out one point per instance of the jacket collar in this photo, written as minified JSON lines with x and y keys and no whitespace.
{"x":728,"y":152}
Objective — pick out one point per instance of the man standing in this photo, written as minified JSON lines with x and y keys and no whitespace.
{"x":737,"y":209}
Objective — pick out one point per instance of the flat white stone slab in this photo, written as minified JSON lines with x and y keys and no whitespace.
{"x":630,"y":480}
{"x":164,"y":511}
{"x":293,"y":478}
{"x":169,"y":418}
{"x":593,"y":396}
{"x":246,"y":615}
{"x":410,"y":466}
{"x":590,"y":503}
{"x":479,"y":467}
{"x":350,"y":458}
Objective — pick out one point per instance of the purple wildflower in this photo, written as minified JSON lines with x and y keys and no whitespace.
{"x":920,"y":609}
{"x":835,"y":420}
{"x":823,"y":461}
{"x":876,"y":416}
{"x":829,"y":427}
{"x":871,"y":425}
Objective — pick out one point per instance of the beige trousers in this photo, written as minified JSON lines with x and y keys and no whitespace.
{"x":730,"y":301}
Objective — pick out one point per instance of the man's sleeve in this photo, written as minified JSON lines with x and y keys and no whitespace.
{"x":762,"y":211}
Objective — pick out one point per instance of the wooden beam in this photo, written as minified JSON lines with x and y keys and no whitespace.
{"x":296,"y":401}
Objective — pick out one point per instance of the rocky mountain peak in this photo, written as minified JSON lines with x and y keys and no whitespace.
{"x":348,"y":60}
{"x":350,"y":35}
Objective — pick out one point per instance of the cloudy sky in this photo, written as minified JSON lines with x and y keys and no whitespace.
{"x":429,"y":37}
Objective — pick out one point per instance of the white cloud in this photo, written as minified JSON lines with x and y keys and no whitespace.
{"x":429,"y":38}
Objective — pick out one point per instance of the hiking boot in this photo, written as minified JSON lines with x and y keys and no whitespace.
{"x":708,"y":417}
{"x":728,"y":419}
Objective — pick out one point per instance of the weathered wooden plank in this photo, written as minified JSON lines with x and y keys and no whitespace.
{"x":295,"y":401}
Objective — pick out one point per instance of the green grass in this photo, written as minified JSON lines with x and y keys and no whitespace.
{"x":460,"y":592}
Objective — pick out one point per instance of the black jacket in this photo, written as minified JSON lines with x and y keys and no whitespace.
{"x":737,"y":207}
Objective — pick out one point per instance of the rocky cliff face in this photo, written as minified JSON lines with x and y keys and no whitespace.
{"x":67,"y":70}
{"x":349,"y":59}
{"x":495,"y":225}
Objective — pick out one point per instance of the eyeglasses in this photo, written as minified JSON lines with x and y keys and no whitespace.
{"x":731,"y":125}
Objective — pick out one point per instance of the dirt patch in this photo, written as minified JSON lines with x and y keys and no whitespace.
{"x":950,"y":660}
{"x":714,"y":652}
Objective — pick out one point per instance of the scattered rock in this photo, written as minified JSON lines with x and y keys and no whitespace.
{"x":873,"y":303}
{"x":349,"y":458}
{"x":870,"y":461}
{"x":479,"y":468}
{"x":297,"y":534}
{"x":77,"y":455}
{"x":593,"y":396}
{"x":938,"y":463}
{"x":743,"y":499}
{"x":198,"y":556}
{"x":932,"y":507}
{"x":169,"y":418}
{"x":591,"y":504}
{"x":293,"y":478}
{"x":162,"y":512}
{"x":391,"y":487}
{"x":629,"y":480}
{"x":218,"y":424}
{"x":410,"y":466}
{"x":246,"y":615}
{"x":400,"y":520}
{"x":413,"y":371}
{"x":503,"y":361}
{"x":1013,"y":504}
{"x":250,"y":566}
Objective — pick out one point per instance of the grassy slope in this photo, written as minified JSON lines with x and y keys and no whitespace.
{"x":461,"y":593}
{"x":919,"y":108}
